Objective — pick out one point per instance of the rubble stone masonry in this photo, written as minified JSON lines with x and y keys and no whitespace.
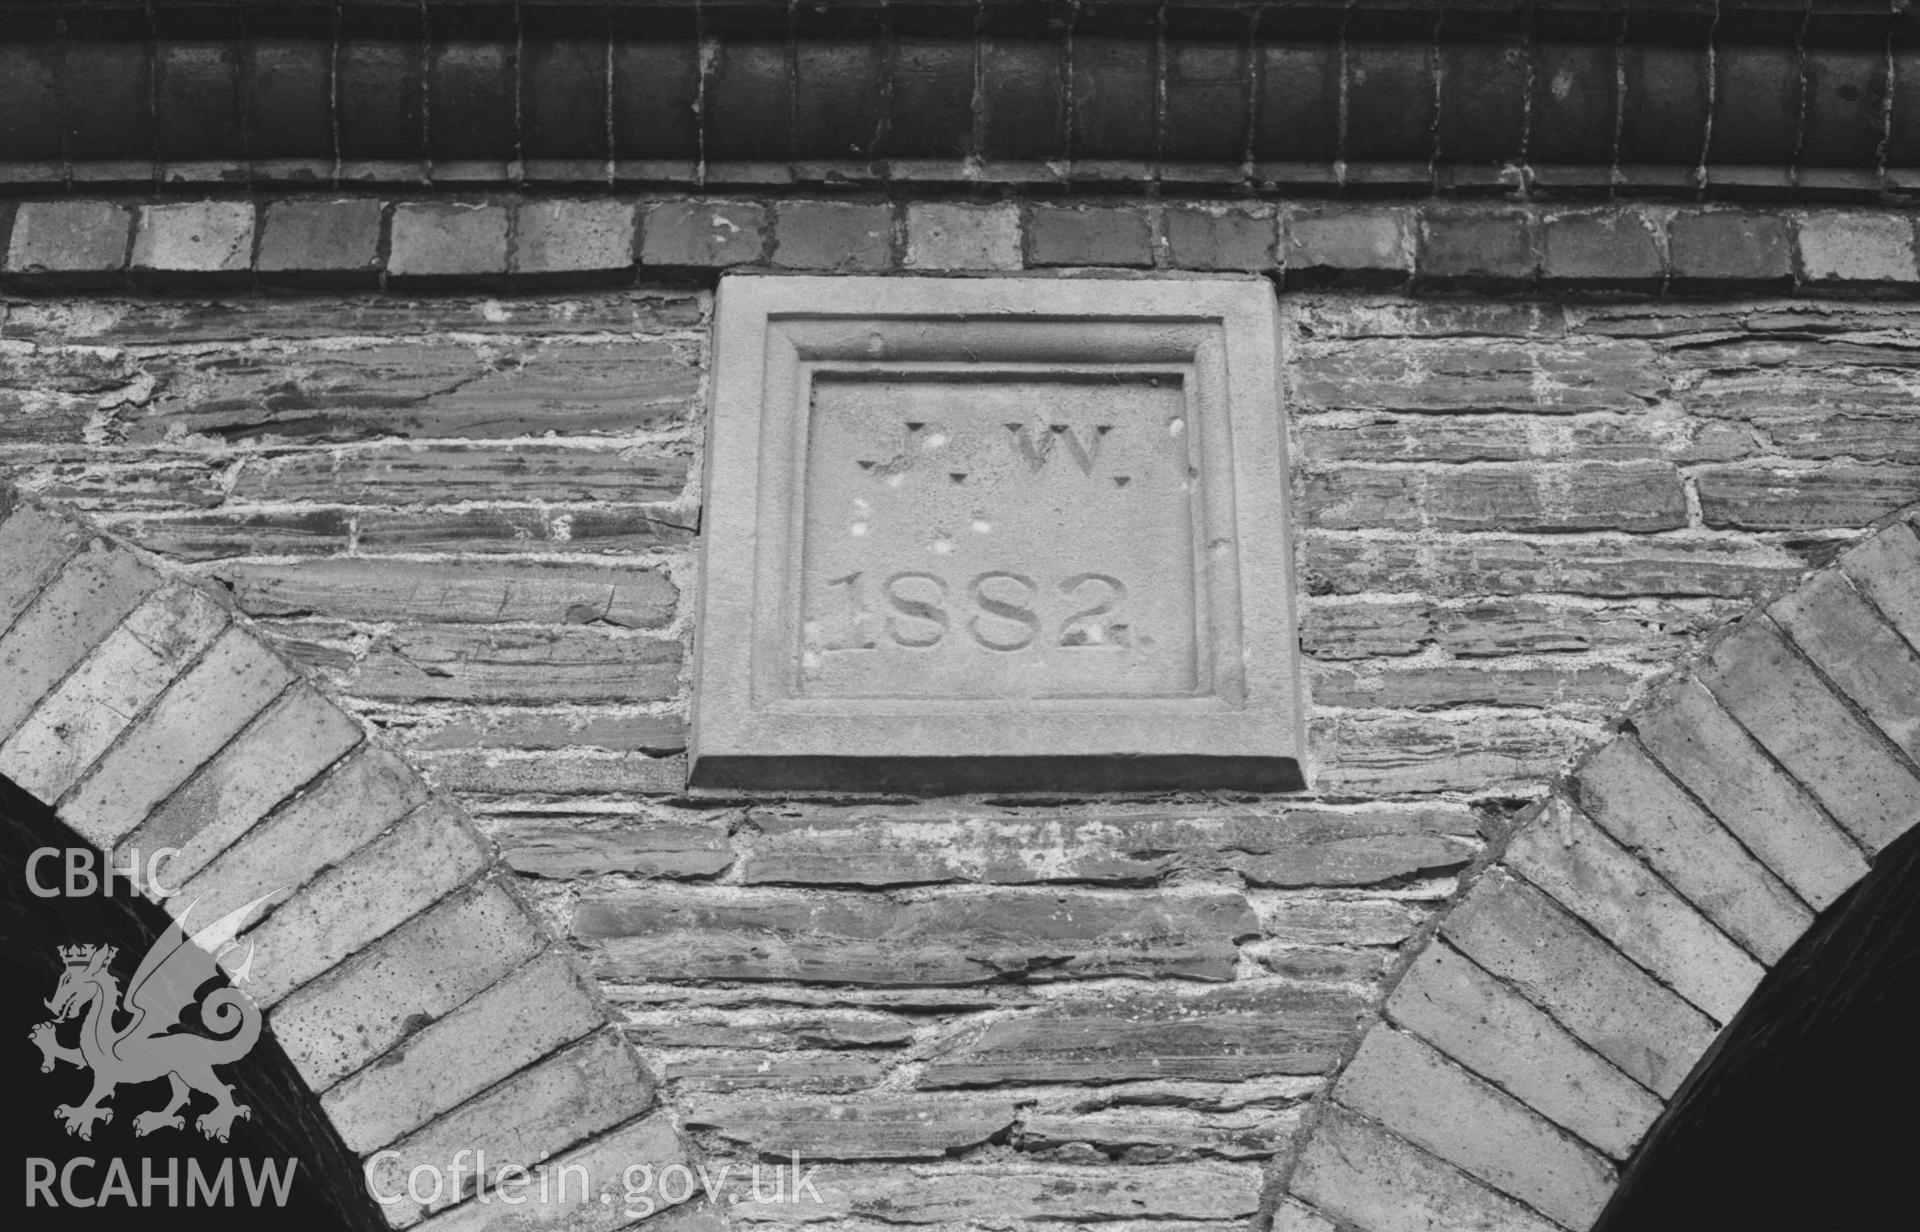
{"x":386,"y":571}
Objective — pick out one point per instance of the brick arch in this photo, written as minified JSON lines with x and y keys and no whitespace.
{"x":419,"y":999}
{"x":1542,"y":1027}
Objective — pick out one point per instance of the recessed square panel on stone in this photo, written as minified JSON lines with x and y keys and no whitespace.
{"x":993,"y":534}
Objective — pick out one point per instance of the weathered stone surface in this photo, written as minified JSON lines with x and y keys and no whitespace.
{"x":435,"y":474}
{"x":1299,"y":847}
{"x":135,"y":663}
{"x":923,"y":1128}
{"x":702,"y":235}
{"x":178,"y":320}
{"x":506,"y":773}
{"x":1565,"y":854}
{"x":446,"y":239}
{"x":1476,"y":374}
{"x":1417,"y":1093}
{"x":330,"y":242}
{"x":1634,"y":800}
{"x":1293,"y":1215}
{"x":599,"y":1204}
{"x":1322,"y":919}
{"x":669,"y":849}
{"x":78,"y":608}
{"x":372,"y":589}
{"x":192,"y":721}
{"x":833,"y":235}
{"x":212,"y":536}
{"x":363,"y":897}
{"x":189,"y":238}
{"x":522,"y":1018}
{"x":1366,"y":630}
{"x":1776,"y":696}
{"x":1552,"y":497}
{"x":76,"y":242}
{"x":1368,"y":756}
{"x":1839,"y":247}
{"x":1348,"y":245}
{"x":399,"y":984}
{"x":1478,"y":566}
{"x":1486,"y":1026}
{"x":423,"y":388}
{"x":296,"y":738}
{"x":1008,"y":1196}
{"x":1751,"y":498}
{"x":1375,"y":437}
{"x":358,"y":799}
{"x":1848,"y":641}
{"x":1600,"y":247}
{"x":1156,"y":1136}
{"x":1105,"y":236}
{"x":630,"y":530}
{"x":1221,"y":237}
{"x":1689,"y":734}
{"x":684,"y":1028}
{"x":1597,"y":690}
{"x":820,"y":1074}
{"x":667,"y":933}
{"x":972,"y":237}
{"x":618,"y":729}
{"x":1244,"y":1032}
{"x":1515,"y":932}
{"x":454,"y":663}
{"x":571,"y":1095}
{"x":34,"y":546}
{"x":1359,"y":1173}
{"x":572,"y":237}
{"x":1886,"y":568}
{"x":1529,"y":626}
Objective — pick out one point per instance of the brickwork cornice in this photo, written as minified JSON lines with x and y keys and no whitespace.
{"x":1387,"y":96}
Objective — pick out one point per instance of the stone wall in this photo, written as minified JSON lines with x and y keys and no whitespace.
{"x":470,"y":507}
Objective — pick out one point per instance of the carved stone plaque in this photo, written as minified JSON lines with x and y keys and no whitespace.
{"x":995,"y":533}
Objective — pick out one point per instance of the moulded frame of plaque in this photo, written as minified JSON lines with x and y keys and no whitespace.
{"x":996,"y":534}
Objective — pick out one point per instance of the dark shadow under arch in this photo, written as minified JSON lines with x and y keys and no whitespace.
{"x":1806,"y":1112}
{"x":326,"y":1195}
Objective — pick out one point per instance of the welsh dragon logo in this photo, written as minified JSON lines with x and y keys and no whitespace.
{"x":152,"y":1042}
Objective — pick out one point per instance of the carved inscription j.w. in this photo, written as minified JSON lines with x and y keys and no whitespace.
{"x":994,"y":536}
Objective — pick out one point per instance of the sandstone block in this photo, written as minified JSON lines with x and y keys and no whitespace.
{"x":135,"y":663}
{"x":1852,"y":247}
{"x":188,"y":725}
{"x":833,"y":235}
{"x":574,"y":1094}
{"x":1516,"y":933}
{"x":196,"y":242}
{"x":684,"y":236}
{"x":73,"y":244}
{"x":1072,"y":235}
{"x":1486,"y":1026}
{"x":1417,"y":1093}
{"x":1886,"y":568}
{"x":364,"y":897}
{"x":676,"y":933}
{"x":1348,"y":246}
{"x":1565,"y":854}
{"x":1361,"y":1174}
{"x":1720,"y":248}
{"x":962,"y":237}
{"x":34,"y":546}
{"x":1601,"y":247}
{"x":83,"y":603}
{"x":522,"y":1018}
{"x":1774,"y":693}
{"x":359,"y":798}
{"x":443,"y":240}
{"x":1638,"y":804}
{"x":560,"y":238}
{"x":1209,"y":237}
{"x":419,"y":973}
{"x":1848,"y":641}
{"x":321,"y":243}
{"x":1689,"y":734}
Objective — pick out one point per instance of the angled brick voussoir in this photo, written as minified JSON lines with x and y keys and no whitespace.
{"x":410,"y":987}
{"x":1538,"y":1033}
